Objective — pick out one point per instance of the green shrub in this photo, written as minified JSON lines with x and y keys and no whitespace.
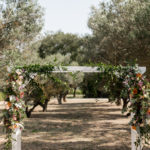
{"x":93,"y":86}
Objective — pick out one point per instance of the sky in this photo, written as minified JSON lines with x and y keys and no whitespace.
{"x":67,"y":15}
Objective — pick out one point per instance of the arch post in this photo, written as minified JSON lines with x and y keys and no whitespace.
{"x":16,"y":139}
{"x":134,"y":136}
{"x":134,"y":133}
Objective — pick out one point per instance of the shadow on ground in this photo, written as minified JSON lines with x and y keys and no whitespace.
{"x":75,"y":146}
{"x":77,"y":126}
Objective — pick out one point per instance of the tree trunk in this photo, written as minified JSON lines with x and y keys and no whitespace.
{"x":59,"y":98}
{"x":64,"y":98}
{"x":125,"y":104}
{"x":118,"y":102}
{"x":28,"y":112}
{"x":44,"y":106}
{"x":74,"y":92}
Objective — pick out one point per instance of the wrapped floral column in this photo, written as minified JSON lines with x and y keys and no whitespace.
{"x":139,"y":108}
{"x":14,"y":107}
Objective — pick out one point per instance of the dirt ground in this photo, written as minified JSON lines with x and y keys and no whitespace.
{"x":78,"y":124}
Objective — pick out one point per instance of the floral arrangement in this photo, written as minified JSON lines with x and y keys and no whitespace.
{"x":13,"y":113}
{"x":135,"y":87}
{"x":138,"y":88}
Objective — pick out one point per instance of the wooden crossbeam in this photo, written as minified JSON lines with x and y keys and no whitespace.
{"x":85,"y":69}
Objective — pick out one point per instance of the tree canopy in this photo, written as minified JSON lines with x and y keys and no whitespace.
{"x":121,"y":31}
{"x":62,"y":43}
{"x":20,"y":23}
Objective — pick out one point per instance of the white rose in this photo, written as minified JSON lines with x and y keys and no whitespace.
{"x":12,"y":97}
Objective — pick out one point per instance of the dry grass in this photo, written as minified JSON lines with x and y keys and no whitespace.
{"x":79,"y":124}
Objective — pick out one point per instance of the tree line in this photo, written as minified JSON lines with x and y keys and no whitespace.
{"x":120,"y":34}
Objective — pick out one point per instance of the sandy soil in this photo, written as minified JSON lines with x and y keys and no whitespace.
{"x":78,"y":124}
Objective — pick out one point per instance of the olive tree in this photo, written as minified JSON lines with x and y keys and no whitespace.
{"x":20,"y":23}
{"x":121,"y":31}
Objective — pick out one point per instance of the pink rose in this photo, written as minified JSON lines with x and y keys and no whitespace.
{"x":140,"y":83}
{"x":21,"y":94}
{"x":14,"y":118}
{"x":17,"y":99}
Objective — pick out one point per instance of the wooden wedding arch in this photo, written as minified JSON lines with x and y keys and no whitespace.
{"x":16,"y":131}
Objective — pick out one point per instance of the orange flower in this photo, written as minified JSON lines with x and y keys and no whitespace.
{"x":135,"y":91}
{"x":14,"y":126}
{"x":9,"y":104}
{"x":148,"y":112}
{"x":16,"y":108}
{"x":138,"y":75}
{"x":134,"y":127}
{"x":142,"y":97}
{"x":9,"y":75}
